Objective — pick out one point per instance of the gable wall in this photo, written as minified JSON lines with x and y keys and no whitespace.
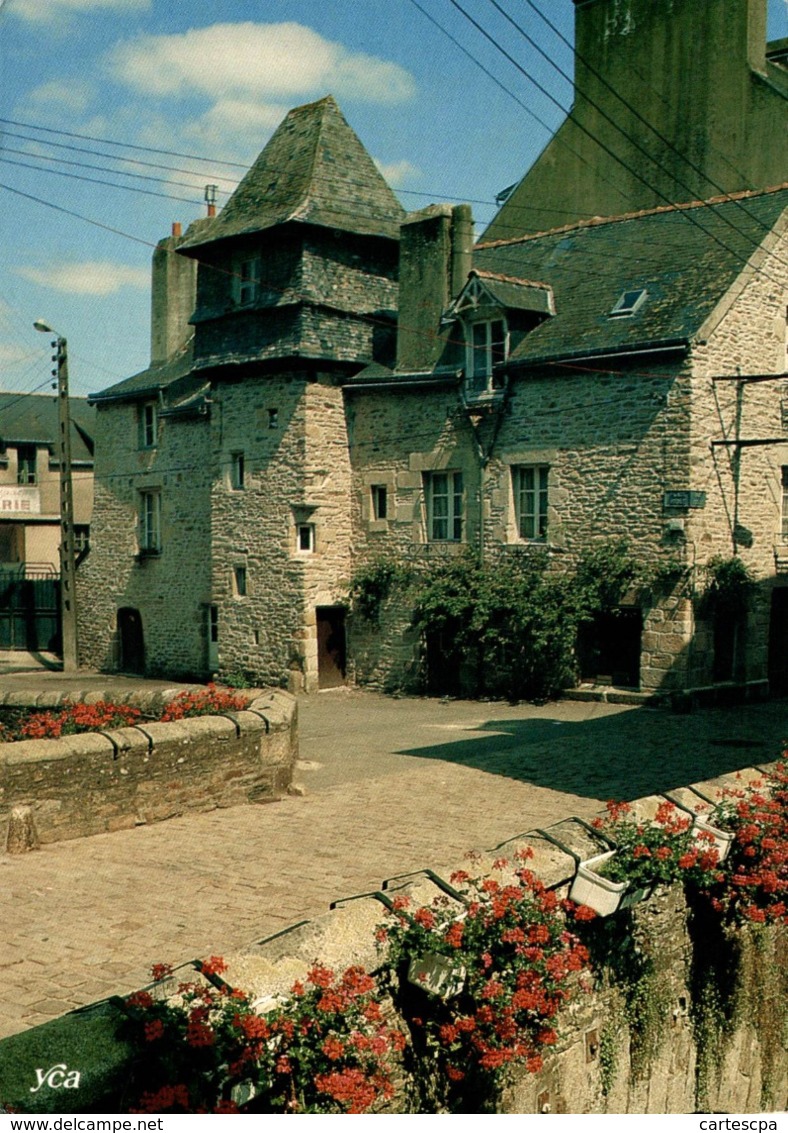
{"x":748,"y":333}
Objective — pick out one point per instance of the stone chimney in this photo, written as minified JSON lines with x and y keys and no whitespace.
{"x":173,"y":291}
{"x":436,"y":246}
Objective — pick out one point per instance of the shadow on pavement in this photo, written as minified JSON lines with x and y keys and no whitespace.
{"x":626,"y":756}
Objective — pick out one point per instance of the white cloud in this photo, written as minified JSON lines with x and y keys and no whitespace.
{"x":91,"y":277}
{"x":232,"y":127}
{"x":398,"y":172}
{"x":73,"y":95}
{"x":246,"y":61}
{"x":43,"y":11}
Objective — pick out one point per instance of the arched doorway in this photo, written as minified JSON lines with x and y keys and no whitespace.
{"x":131,"y":641}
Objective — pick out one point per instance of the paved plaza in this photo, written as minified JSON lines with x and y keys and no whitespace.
{"x":391,"y":785}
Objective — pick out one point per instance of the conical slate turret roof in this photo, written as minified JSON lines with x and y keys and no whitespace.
{"x":314,"y":170}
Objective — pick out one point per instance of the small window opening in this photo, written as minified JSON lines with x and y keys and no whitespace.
{"x":149,"y":424}
{"x":213,"y":624}
{"x":239,"y":579}
{"x":237,"y":471}
{"x":249,"y":281}
{"x":379,"y":501}
{"x":306,"y":537}
{"x":273,"y":418}
{"x":26,"y":464}
{"x":628,"y":303}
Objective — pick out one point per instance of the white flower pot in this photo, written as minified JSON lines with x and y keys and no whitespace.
{"x":600,"y":893}
{"x":437,"y":974}
{"x":723,"y":839}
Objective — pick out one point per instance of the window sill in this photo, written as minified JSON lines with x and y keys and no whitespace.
{"x":146,"y":553}
{"x":488,"y":399}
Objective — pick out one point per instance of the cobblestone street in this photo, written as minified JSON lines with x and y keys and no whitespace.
{"x":391,"y":785}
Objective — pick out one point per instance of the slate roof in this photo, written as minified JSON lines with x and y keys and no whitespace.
{"x":32,"y":418}
{"x":314,"y":170}
{"x":685,"y":257}
{"x":513,"y":293}
{"x":148,"y":383}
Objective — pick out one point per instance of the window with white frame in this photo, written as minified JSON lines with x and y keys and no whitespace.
{"x":305,"y":538}
{"x":445,"y":506}
{"x":529,"y":488}
{"x":487,"y":344}
{"x":148,"y":424}
{"x":248,"y":281}
{"x":150,"y":522}
{"x":784,"y":524}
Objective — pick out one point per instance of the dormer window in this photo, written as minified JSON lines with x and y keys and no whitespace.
{"x":248,"y":281}
{"x":629,"y":302}
{"x":486,"y":349}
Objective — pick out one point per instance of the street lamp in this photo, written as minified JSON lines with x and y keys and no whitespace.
{"x":68,"y":574}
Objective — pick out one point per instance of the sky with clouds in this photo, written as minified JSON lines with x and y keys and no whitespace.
{"x":201,"y":88}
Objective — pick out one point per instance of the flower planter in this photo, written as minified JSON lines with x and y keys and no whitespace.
{"x":437,"y":974}
{"x":600,"y":893}
{"x":723,"y":839}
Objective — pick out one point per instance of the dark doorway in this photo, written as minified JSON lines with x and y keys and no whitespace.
{"x":131,"y":641}
{"x":608,"y":648}
{"x":331,"y":646}
{"x":443,"y":668}
{"x":778,"y":643}
{"x":726,"y":632}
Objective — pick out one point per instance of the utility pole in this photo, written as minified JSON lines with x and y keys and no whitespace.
{"x":68,"y":572}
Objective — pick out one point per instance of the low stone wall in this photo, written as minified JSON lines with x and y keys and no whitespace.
{"x":51,"y":790}
{"x":677,"y":1063}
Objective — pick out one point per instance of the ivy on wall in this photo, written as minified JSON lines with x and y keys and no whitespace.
{"x":510,"y":624}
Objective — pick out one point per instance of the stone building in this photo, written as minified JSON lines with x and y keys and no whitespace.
{"x":621,"y":377}
{"x":223,"y":470}
{"x":333,"y":382}
{"x":675,"y":100}
{"x":30,"y":511}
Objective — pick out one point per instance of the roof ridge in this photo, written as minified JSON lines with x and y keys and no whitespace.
{"x":484,"y":274}
{"x":597,"y":221}
{"x":310,"y":178}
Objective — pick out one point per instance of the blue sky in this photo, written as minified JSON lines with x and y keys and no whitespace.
{"x":212,"y":81}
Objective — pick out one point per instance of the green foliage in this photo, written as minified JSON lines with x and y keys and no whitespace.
{"x":729,"y":585}
{"x":511,"y":622}
{"x":663,"y":579}
{"x":239,"y":679}
{"x":205,"y":1048}
{"x":372,"y":584}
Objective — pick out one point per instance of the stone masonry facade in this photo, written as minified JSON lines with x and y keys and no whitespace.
{"x":325,"y":368}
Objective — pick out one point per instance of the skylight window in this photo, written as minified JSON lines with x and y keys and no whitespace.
{"x":628,"y":303}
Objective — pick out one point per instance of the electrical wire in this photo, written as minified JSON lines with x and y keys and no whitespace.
{"x":593,"y":137}
{"x":518,"y":27}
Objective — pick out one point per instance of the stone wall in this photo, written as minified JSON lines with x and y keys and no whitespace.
{"x":614,"y":442}
{"x":172,"y":590}
{"x":295,"y":474}
{"x":54,"y":790}
{"x":696,"y":73}
{"x":600,"y":1064}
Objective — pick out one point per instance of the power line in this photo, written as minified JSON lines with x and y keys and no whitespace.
{"x":620,"y":161}
{"x":360,"y":316}
{"x":95,"y":180}
{"x":494,"y":78}
{"x":629,"y":107}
